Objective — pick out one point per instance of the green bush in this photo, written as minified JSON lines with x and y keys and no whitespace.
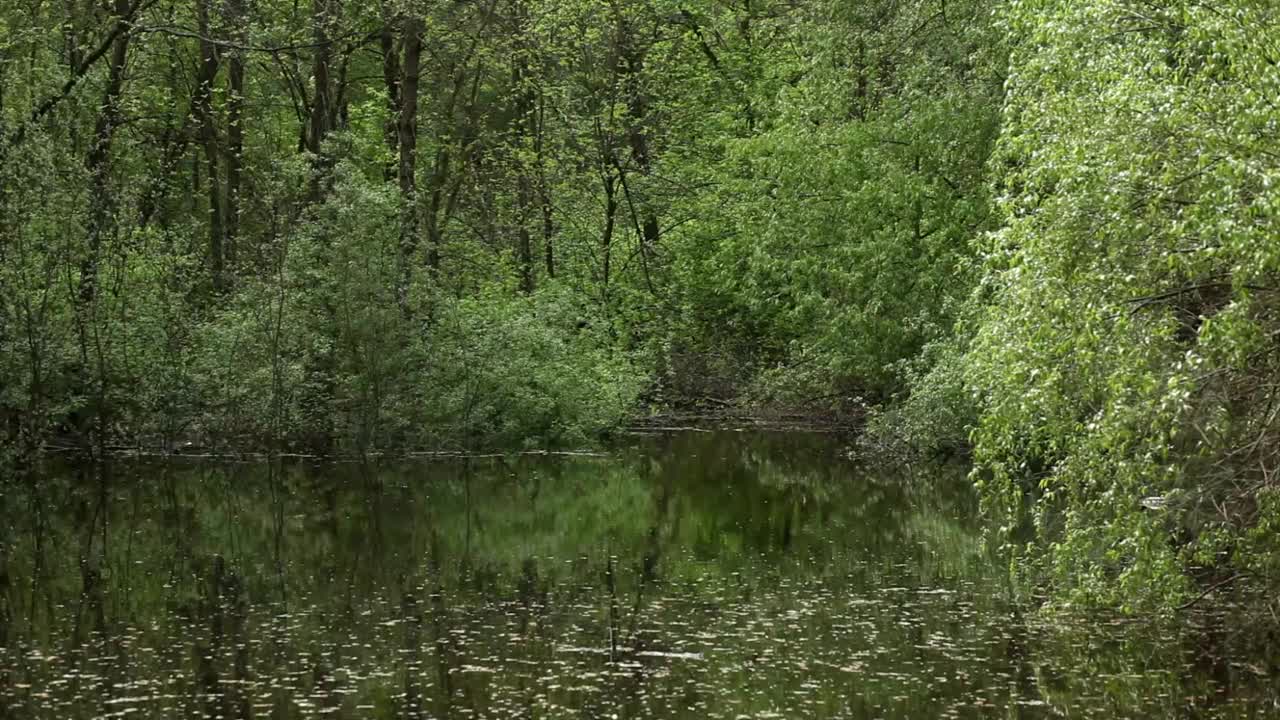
{"x":517,"y":371}
{"x":1123,"y":361}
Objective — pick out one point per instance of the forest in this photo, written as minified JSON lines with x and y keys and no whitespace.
{"x":1042,"y":236}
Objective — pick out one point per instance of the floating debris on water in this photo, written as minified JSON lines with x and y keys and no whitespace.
{"x":713,"y":576}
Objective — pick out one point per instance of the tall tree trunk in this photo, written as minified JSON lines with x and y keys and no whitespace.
{"x":524,"y":240}
{"x":238,"y":20}
{"x":610,"y":218}
{"x":524,"y":134}
{"x":71,"y":46}
{"x":319,"y":123}
{"x":544,"y":190}
{"x":407,"y":141}
{"x":436,"y":203}
{"x":391,"y":79}
{"x":631,"y":59}
{"x":320,"y":367}
{"x":341,"y":118}
{"x":205,"y":77}
{"x":101,"y":218}
{"x":102,"y":200}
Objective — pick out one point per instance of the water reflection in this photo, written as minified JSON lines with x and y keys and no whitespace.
{"x":702,"y":575}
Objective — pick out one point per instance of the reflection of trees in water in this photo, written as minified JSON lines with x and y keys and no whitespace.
{"x":1185,"y":667}
{"x":317,"y":545}
{"x":411,"y":658}
{"x":91,"y":518}
{"x":263,"y":586}
{"x":7,"y":640}
{"x":224,"y":651}
{"x":6,"y":612}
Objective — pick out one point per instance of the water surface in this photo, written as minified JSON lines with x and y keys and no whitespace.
{"x":696,"y":575}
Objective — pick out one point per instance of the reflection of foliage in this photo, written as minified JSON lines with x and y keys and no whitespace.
{"x":1164,"y":666}
{"x":725,"y":574}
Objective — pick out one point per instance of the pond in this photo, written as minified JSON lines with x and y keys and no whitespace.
{"x":686,"y":575}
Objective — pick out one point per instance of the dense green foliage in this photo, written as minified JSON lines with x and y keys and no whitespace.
{"x":358,"y":226}
{"x":1041,"y":231}
{"x":828,"y":250}
{"x":1125,"y":357}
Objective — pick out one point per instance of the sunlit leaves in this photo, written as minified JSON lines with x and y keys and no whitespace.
{"x":1123,"y":348}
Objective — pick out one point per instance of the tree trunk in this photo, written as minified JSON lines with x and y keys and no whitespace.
{"x":544,"y":191}
{"x":391,"y":79}
{"x":407,"y":141}
{"x":610,"y":216}
{"x":102,"y":200}
{"x":631,"y":66}
{"x":237,"y":19}
{"x":101,"y":218}
{"x":319,"y":123}
{"x":524,"y":132}
{"x":205,"y":77}
{"x":439,"y":175}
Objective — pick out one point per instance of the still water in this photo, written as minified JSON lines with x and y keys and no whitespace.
{"x":695,"y":575}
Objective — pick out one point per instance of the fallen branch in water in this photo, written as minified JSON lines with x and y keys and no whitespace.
{"x":1208,"y":590}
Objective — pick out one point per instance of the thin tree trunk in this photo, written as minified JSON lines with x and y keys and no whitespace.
{"x":208,"y":72}
{"x":341,"y":111}
{"x":525,"y":129}
{"x":235,"y":128}
{"x":322,"y":95}
{"x":391,"y":79}
{"x":407,"y":141}
{"x":320,"y":121}
{"x":524,"y":239}
{"x":102,"y":201}
{"x":610,"y":216}
{"x":439,"y":174}
{"x":101,"y":218}
{"x":544,"y":191}
{"x":631,"y":65}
